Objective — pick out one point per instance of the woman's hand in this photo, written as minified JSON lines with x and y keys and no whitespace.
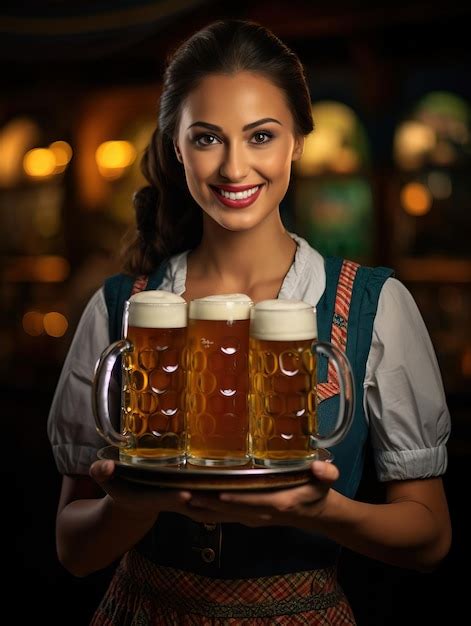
{"x":283,"y":507}
{"x":135,"y":500}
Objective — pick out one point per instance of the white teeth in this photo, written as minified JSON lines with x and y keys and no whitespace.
{"x":239,"y":195}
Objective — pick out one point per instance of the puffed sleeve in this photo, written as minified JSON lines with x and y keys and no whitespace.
{"x":71,"y":425}
{"x":404,"y":396}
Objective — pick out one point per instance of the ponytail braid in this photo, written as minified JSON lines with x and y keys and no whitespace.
{"x":168,"y":221}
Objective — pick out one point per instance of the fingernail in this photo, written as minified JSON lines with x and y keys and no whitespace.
{"x":318,"y":468}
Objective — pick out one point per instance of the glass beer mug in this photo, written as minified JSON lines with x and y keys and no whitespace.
{"x":217,"y":382}
{"x":282,"y":372}
{"x":152,"y":427}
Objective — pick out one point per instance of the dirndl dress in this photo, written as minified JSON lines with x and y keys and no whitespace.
{"x":143,"y":593}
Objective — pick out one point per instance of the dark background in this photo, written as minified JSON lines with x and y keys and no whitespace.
{"x":52,"y":55}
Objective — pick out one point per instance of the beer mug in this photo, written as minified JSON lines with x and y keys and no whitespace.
{"x":282,"y":372}
{"x":217,"y":380}
{"x":152,"y":380}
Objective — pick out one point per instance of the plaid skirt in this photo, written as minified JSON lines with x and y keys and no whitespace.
{"x":142,"y":593}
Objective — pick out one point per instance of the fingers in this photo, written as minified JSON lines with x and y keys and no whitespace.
{"x":325,"y":472}
{"x":259,"y":507}
{"x":265,"y":506}
{"x":102,"y":471}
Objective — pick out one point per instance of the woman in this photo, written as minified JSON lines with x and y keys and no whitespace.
{"x":234,"y":112}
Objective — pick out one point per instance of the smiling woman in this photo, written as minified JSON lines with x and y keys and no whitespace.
{"x":246,"y":160}
{"x":234,"y":113}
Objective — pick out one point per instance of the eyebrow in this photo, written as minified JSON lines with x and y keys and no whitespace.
{"x":209,"y":126}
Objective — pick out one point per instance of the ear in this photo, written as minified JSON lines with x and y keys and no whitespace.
{"x":298,"y":148}
{"x":177,"y":152}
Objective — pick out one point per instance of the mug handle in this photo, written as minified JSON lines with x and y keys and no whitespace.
{"x":100,"y":389}
{"x":347,"y":394}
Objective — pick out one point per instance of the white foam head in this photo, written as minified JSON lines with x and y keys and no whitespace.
{"x":157,"y":309}
{"x":228,"y":306}
{"x":283,"y":320}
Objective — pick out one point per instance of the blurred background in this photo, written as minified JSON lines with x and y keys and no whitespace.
{"x":384,"y":180}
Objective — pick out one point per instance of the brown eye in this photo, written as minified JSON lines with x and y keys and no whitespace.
{"x":262,"y":137}
{"x":205,"y":140}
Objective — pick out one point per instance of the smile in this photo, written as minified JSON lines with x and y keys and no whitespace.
{"x":234,"y":197}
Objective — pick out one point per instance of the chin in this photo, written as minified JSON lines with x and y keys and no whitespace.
{"x":234,"y":222}
{"x":237,"y":225}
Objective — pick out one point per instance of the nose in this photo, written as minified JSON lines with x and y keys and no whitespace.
{"x":234,"y":166}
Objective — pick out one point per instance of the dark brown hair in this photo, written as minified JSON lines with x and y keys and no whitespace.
{"x":168,"y":220}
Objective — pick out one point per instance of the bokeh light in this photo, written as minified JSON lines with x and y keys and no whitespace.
{"x":416,"y":199}
{"x":55,"y":324}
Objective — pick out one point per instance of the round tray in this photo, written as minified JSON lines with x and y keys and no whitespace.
{"x":187,"y":476}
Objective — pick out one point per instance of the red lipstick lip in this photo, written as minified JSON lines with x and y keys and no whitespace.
{"x":236,"y":204}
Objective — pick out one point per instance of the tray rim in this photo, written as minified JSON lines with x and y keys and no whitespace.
{"x":187,"y":476}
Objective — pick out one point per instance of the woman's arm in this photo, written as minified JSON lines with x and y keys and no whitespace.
{"x":99,"y":520}
{"x":412,"y":529}
{"x":99,"y":517}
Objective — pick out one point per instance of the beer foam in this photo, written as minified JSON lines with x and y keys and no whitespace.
{"x":283,"y":320}
{"x":157,"y":309}
{"x":228,"y":306}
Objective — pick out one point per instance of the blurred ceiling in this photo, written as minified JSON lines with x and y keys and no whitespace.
{"x":102,"y":41}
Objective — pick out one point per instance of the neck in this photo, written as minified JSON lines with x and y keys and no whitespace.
{"x":239,"y":260}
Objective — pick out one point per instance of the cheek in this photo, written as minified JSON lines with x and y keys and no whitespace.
{"x":277,"y":166}
{"x":199,"y":170}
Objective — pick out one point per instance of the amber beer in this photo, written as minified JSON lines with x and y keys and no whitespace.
{"x":282,"y":374}
{"x":217,"y":380}
{"x":153,"y":380}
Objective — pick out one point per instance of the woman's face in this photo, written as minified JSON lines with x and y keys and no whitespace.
{"x":236,"y":141}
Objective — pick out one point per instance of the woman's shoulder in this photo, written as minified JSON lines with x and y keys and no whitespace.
{"x":96,"y":305}
{"x":93,"y":321}
{"x":305,"y":279}
{"x":174,"y":277}
{"x":306,"y":254}
{"x":311,"y":270}
{"x":398,"y":307}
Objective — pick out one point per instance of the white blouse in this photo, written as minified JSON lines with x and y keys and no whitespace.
{"x":403,"y":395}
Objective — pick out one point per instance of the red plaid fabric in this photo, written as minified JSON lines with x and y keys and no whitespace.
{"x":144,"y":594}
{"x":339,"y":327}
